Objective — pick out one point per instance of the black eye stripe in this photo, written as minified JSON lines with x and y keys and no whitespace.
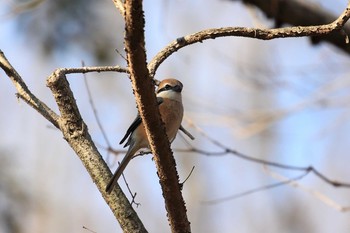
{"x":166,"y":87}
{"x":160,"y":90}
{"x":176,"y":88}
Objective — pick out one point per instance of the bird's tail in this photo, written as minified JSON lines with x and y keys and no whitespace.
{"x":128,"y":156}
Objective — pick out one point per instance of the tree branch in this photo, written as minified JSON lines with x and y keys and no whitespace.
{"x":24,"y":93}
{"x":256,"y":33}
{"x":149,"y":112}
{"x":98,"y":69}
{"x":75,"y":132}
{"x":226,"y":150}
{"x":303,"y":13}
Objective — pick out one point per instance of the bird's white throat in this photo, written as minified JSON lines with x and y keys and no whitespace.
{"x":170,"y":94}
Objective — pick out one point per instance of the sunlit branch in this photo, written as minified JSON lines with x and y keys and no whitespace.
{"x":256,"y":33}
{"x":98,"y":69}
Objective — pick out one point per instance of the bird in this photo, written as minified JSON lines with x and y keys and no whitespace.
{"x":171,"y":110}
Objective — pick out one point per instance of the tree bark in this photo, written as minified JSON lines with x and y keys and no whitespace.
{"x":149,"y":112}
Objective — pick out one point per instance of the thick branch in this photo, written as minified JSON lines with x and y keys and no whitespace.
{"x":262,"y":34}
{"x":75,"y":132}
{"x":303,"y":13}
{"x":149,"y":112}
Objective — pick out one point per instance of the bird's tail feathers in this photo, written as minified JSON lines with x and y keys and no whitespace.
{"x":128,"y":156}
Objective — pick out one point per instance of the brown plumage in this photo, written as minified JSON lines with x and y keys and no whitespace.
{"x":171,"y":111}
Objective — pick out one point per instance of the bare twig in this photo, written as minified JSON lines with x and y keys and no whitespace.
{"x":323,"y":198}
{"x":227,"y":150}
{"x":183,"y":182}
{"x":256,"y":33}
{"x":25,"y":94}
{"x":97,"y":118}
{"x":121,"y":55}
{"x":255,"y":190}
{"x":85,"y":228}
{"x":186,"y":132}
{"x":133,"y":195}
{"x":98,"y":69}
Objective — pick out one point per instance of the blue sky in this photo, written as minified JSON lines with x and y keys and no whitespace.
{"x":228,"y":83}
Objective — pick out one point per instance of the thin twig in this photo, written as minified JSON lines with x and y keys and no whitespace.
{"x":25,"y":94}
{"x":85,"y":228}
{"x":320,"y":196}
{"x":131,"y":193}
{"x":88,"y":69}
{"x":227,"y":150}
{"x":97,"y":118}
{"x":183,"y":182}
{"x":121,"y":55}
{"x":255,"y":190}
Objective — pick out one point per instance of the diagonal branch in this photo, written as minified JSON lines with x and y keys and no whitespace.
{"x":256,"y":33}
{"x":75,"y":132}
{"x":25,"y":94}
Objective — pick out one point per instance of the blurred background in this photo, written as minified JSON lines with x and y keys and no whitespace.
{"x":284,"y":100}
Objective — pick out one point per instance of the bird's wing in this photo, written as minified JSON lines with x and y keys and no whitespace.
{"x":135,"y":124}
{"x":131,"y":129}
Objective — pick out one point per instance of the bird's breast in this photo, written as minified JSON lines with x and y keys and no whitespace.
{"x":171,"y":112}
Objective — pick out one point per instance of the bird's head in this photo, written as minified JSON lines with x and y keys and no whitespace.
{"x":170,"y":88}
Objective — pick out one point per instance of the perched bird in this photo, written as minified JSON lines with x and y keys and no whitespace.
{"x":171,"y":111}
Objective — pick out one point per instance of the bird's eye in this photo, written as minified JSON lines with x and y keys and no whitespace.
{"x":167,"y":86}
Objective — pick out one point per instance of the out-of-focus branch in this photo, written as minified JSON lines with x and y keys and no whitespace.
{"x":227,"y":150}
{"x":25,"y":94}
{"x":256,"y":33}
{"x":75,"y":132}
{"x":255,"y":190}
{"x":149,"y":112}
{"x":302,"y":13}
{"x":316,"y":194}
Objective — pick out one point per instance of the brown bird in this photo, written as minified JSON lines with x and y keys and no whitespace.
{"x":171,"y":111}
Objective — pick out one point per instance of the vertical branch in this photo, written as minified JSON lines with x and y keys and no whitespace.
{"x":75,"y":132}
{"x":149,"y":112}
